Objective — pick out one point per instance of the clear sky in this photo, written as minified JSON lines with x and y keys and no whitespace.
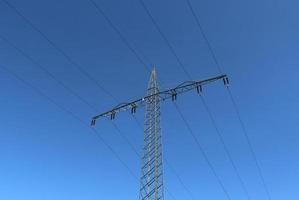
{"x":47,"y":154}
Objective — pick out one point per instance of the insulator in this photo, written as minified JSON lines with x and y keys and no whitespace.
{"x":224,"y":81}
{"x":227,"y":81}
{"x":93,"y":122}
{"x":112,"y":116}
{"x":199,"y":89}
{"x":174,"y":96}
{"x":133,"y":109}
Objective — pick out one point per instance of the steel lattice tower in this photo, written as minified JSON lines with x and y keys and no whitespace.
{"x":151,"y":180}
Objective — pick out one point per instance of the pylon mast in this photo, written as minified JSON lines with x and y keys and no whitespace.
{"x":151,"y":181}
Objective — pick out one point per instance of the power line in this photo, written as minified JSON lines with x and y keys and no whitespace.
{"x":121,"y":36}
{"x":165,"y":38}
{"x":56,"y":47}
{"x":204,"y":35}
{"x":44,"y":69}
{"x":128,"y":43}
{"x":44,"y":95}
{"x":197,"y":20}
{"x":249,"y":144}
{"x":225,"y":147}
{"x":202,"y":152}
{"x":125,"y":138}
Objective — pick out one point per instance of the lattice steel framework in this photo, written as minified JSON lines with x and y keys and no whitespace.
{"x":163,"y":95}
{"x":151,"y":181}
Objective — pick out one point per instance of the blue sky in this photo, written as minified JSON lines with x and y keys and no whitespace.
{"x":47,"y":154}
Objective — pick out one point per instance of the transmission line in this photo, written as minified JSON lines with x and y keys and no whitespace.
{"x":44,"y":69}
{"x":225,"y":146}
{"x":165,"y":39}
{"x":202,"y":151}
{"x":57,"y":48}
{"x":249,"y":144}
{"x":197,"y":20}
{"x":81,"y":121}
{"x":121,"y":36}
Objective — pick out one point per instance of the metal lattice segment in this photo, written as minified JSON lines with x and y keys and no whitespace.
{"x":162,"y":95}
{"x":151,"y":181}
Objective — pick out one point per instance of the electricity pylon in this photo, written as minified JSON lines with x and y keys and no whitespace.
{"x":151,"y":181}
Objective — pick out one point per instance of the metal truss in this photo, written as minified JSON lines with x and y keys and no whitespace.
{"x":161,"y":95}
{"x":151,"y":180}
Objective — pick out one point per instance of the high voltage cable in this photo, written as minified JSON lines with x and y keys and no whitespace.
{"x":57,"y":48}
{"x":121,"y":36}
{"x":204,"y":35}
{"x":197,"y":20}
{"x":44,"y":95}
{"x":225,"y":146}
{"x":164,"y":38}
{"x":202,"y":151}
{"x":249,"y":144}
{"x":44,"y":69}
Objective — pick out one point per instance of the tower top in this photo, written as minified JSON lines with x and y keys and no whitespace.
{"x":153,"y":82}
{"x":154,"y":71}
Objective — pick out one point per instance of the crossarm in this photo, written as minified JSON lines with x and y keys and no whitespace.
{"x":163,"y":95}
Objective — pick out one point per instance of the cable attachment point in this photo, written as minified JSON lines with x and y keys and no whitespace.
{"x":225,"y":81}
{"x":112,"y":116}
{"x":199,"y":89}
{"x":173,"y":95}
{"x":133,"y":109}
{"x":93,"y":122}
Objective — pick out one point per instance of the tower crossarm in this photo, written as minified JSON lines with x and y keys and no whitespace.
{"x":163,"y":95}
